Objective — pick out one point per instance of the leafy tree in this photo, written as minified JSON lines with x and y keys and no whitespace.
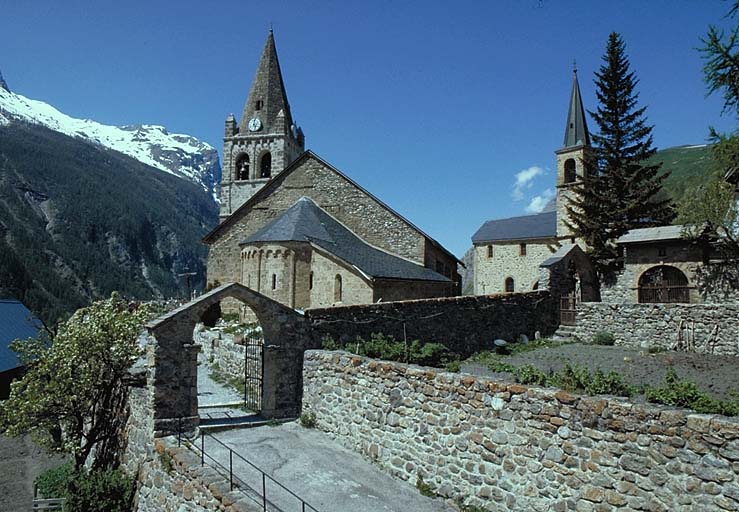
{"x":621,"y":191}
{"x":72,"y":396}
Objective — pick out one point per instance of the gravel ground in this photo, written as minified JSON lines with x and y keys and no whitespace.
{"x":717,"y":375}
{"x":21,"y":461}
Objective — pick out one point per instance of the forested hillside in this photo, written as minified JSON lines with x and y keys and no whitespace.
{"x":78,"y":221}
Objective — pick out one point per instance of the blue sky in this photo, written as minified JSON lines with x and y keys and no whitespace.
{"x":436,"y":107}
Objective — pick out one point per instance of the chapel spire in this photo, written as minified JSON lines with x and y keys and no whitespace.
{"x":576,"y":131}
{"x":267,"y":97}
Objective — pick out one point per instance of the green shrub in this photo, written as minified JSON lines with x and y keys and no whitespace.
{"x":529,"y":374}
{"x":230,"y":318}
{"x":424,"y":488}
{"x":308,"y":419}
{"x":328,"y":343}
{"x":610,"y":383}
{"x":453,"y":366}
{"x":655,"y":349}
{"x":604,"y":338}
{"x":571,"y":378}
{"x":53,"y":483}
{"x":102,"y":490}
{"x":685,"y":393}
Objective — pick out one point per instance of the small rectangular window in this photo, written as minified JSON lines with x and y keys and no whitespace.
{"x":490,"y":251}
{"x":522,"y":249}
{"x":662,"y":251}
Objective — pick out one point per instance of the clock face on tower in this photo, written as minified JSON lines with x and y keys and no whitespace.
{"x":255,"y":124}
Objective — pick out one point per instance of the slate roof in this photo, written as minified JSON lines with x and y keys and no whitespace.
{"x":305,"y":221}
{"x":527,"y":227}
{"x":576,"y":130}
{"x":275,"y":181}
{"x":642,"y":235}
{"x":16,"y":322}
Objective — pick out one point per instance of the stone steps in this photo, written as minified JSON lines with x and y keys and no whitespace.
{"x":564,"y":332}
{"x":246,"y":421}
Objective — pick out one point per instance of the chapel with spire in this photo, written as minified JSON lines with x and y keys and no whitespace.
{"x":266,"y":139}
{"x":301,"y":232}
{"x":508,"y":252}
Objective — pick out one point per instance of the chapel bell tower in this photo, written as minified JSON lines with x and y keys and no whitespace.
{"x":571,"y":158}
{"x":266,"y":139}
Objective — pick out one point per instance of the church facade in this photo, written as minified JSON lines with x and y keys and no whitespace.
{"x":508,"y":252}
{"x":298,"y":230}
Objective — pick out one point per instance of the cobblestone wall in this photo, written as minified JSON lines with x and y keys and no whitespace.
{"x":512,"y":447}
{"x":170,"y":478}
{"x":703,"y":328}
{"x":463,"y":324}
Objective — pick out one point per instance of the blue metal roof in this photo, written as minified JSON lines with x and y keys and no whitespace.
{"x":16,"y":322}
{"x":541,"y":225}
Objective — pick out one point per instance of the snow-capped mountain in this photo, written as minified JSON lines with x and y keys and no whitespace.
{"x":178,"y":154}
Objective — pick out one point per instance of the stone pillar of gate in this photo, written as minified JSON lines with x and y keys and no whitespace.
{"x":174,"y":379}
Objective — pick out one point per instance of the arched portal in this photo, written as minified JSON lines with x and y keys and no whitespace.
{"x":663,"y":284}
{"x":173,"y":357}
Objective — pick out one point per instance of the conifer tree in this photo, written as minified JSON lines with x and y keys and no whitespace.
{"x":621,"y":190}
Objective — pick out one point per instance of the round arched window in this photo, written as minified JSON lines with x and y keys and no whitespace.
{"x":570,"y":170}
{"x":242,"y":167}
{"x":509,"y":285}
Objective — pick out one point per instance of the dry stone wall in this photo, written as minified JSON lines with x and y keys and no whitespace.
{"x":702,"y":328}
{"x":464,"y":324}
{"x":512,"y":447}
{"x":219,"y":348}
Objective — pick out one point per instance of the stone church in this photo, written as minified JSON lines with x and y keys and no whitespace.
{"x":298,"y":230}
{"x":508,"y":252}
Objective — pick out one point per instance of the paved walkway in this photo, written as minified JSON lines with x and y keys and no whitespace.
{"x":318,"y":469}
{"x":212,"y":393}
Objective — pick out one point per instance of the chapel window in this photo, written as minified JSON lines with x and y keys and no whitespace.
{"x":274,"y":281}
{"x":522,"y":249}
{"x":265,"y":169}
{"x":490,"y":251}
{"x":310,"y":281}
{"x":509,"y":285}
{"x":338,"y":292}
{"x":258,"y":105}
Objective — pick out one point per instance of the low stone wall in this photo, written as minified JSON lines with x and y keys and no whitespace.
{"x":170,"y":478}
{"x":219,"y":347}
{"x":702,"y":328}
{"x":463,"y":324}
{"x":512,"y":447}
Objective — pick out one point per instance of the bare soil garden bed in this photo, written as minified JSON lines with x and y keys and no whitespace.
{"x":716,"y":375}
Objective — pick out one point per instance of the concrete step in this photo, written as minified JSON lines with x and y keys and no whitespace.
{"x":234,"y":422}
{"x":564,"y":332}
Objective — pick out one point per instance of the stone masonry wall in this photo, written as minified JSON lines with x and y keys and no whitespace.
{"x":170,"y":478}
{"x":703,"y":328}
{"x":219,"y":347}
{"x":491,"y":273}
{"x":512,"y":447}
{"x":463,"y":324}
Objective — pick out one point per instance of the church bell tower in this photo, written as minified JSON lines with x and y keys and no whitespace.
{"x":573,"y":155}
{"x":266,"y":139}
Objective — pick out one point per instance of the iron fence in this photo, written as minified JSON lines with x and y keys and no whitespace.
{"x":256,"y":486}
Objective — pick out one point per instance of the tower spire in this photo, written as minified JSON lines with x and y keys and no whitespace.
{"x":576,"y":131}
{"x":267,"y":95}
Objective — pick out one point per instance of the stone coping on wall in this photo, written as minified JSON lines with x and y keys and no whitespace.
{"x":433,"y":300}
{"x":520,"y":447}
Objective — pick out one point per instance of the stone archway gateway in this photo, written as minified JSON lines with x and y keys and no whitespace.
{"x":175,"y":390}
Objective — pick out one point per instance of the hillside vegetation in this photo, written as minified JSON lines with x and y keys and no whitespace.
{"x":78,"y":221}
{"x":690,"y":167}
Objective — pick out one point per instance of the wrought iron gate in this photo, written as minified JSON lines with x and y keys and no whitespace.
{"x":253,"y":371}
{"x":567,"y":309}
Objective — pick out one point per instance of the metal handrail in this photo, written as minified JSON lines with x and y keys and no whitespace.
{"x":232,"y":477}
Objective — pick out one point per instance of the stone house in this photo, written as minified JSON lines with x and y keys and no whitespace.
{"x":508,"y":252}
{"x":298,"y":230}
{"x":661,"y":266}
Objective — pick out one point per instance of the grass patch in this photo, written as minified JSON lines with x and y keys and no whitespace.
{"x":308,"y":419}
{"x":604,"y":338}
{"x":220,"y":377}
{"x":388,"y":348}
{"x":424,"y":488}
